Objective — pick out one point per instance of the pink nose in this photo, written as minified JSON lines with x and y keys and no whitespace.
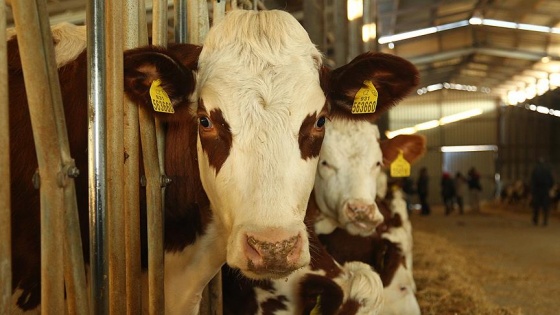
{"x":360,"y":211}
{"x":269,"y":255}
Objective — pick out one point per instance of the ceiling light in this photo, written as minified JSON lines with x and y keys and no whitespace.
{"x":460,"y":116}
{"x":469,"y":148}
{"x":355,"y":9}
{"x":391,"y":45}
{"x":427,"y":125}
{"x":403,"y":131}
{"x":545,"y":59}
{"x":368,"y":32}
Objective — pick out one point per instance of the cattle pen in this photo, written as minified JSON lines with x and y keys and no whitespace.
{"x":181,"y":184}
{"x":114,"y":285}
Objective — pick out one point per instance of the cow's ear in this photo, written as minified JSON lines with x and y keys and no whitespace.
{"x":393,"y":78}
{"x":412,"y":146}
{"x":174,"y":68}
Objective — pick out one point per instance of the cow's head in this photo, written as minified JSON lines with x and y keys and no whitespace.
{"x":260,"y":102}
{"x":352,"y":154}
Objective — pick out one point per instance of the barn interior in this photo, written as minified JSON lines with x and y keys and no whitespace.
{"x":488,"y":95}
{"x":491,"y":66}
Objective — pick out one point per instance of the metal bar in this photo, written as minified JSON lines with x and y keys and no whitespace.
{"x":115,"y":156}
{"x":5,"y":207}
{"x":97,"y":172}
{"x":153,"y":153}
{"x":340,"y":32}
{"x":132,"y":13}
{"x":154,"y":206}
{"x":51,"y":142}
{"x":197,"y":17}
{"x":180,"y":20}
{"x":219,"y":11}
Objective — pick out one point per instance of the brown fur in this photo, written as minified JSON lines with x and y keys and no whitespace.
{"x":186,"y":210}
{"x":217,"y":140}
{"x":393,"y":77}
{"x":310,"y":137}
{"x":384,"y":256}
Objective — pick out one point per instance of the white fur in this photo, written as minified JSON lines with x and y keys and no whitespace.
{"x":265,"y":82}
{"x":70,"y":41}
{"x":399,"y":295}
{"x":351,"y":152}
{"x":189,"y":271}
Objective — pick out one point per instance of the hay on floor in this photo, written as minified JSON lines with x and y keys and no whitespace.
{"x":445,"y":281}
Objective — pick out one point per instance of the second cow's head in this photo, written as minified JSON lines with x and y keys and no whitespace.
{"x":262,"y":99}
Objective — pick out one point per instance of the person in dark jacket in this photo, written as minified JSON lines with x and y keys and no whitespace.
{"x":422,"y":189}
{"x":447,"y":192}
{"x":473,"y":181}
{"x":541,"y":183}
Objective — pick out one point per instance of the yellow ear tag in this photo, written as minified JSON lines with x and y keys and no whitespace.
{"x":400,"y":167}
{"x":160,"y":99}
{"x":365,"y":100}
{"x":317,"y":309}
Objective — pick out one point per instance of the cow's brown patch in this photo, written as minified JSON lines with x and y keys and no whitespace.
{"x":350,"y":307}
{"x":187,"y":208}
{"x":320,"y":292}
{"x":270,"y":306}
{"x":216,"y":139}
{"x":311,"y":134}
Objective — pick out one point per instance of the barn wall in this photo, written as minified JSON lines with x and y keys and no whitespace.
{"x":526,"y":136}
{"x":479,"y":130}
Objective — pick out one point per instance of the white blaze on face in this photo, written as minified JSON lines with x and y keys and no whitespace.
{"x":258,"y":82}
{"x":349,"y":164}
{"x":399,"y":295}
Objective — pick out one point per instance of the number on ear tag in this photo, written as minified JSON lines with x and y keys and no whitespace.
{"x":365,"y":101}
{"x":160,"y":99}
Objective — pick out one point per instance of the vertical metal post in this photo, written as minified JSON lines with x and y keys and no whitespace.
{"x":313,"y":21}
{"x":340,"y":32}
{"x":51,"y":142}
{"x":197,"y":17}
{"x":132,"y":12}
{"x":153,"y":146}
{"x":97,"y":172}
{"x":5,"y":207}
{"x":180,"y":20}
{"x":115,"y":156}
{"x":218,"y":10}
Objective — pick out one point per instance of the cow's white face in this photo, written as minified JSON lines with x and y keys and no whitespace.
{"x":345,"y":184}
{"x":261,"y":116}
{"x":399,"y":294}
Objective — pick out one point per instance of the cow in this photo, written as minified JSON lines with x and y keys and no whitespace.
{"x":250,"y":111}
{"x":346,"y":182}
{"x":324,"y":285}
{"x":384,"y":254}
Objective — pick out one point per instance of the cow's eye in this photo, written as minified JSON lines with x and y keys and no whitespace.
{"x":205,"y":122}
{"x":378,"y":164}
{"x":320,"y":123}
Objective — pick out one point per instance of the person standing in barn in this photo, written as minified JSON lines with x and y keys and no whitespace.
{"x":460,"y":190}
{"x":422,"y":189}
{"x":473,"y":181}
{"x":541,"y":183}
{"x":447,"y":192}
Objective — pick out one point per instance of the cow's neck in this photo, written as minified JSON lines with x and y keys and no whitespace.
{"x":187,"y":209}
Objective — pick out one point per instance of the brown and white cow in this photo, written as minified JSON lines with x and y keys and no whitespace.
{"x":241,"y":148}
{"x":324,"y":286}
{"x":346,"y":182}
{"x":386,"y":257}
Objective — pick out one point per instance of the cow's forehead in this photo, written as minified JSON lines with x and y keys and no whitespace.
{"x":356,"y":140}
{"x":260,"y":68}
